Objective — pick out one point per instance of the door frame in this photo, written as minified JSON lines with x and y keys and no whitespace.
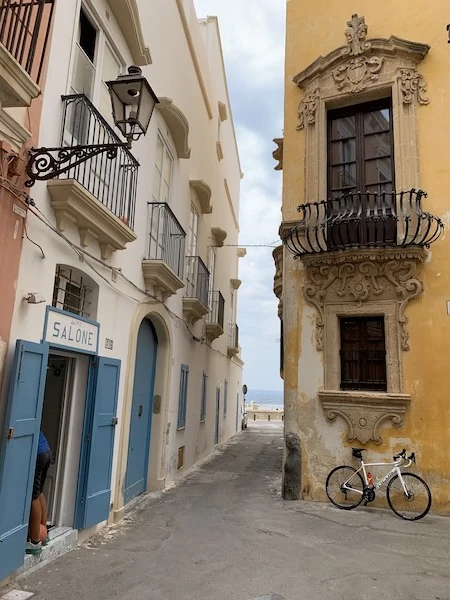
{"x":217,"y":419}
{"x":63,"y":424}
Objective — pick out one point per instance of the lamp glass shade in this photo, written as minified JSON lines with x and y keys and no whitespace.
{"x":133,"y":102}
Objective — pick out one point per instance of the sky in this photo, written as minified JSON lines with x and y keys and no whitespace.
{"x":253,"y":33}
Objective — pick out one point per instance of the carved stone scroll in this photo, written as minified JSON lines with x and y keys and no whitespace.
{"x":356,"y":74}
{"x":307,"y":109}
{"x":356,"y":37}
{"x":413,"y":86}
{"x":278,"y":153}
{"x":361,"y":276}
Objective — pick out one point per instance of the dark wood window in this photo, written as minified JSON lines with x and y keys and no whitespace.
{"x":363,"y":354}
{"x":361,"y":174}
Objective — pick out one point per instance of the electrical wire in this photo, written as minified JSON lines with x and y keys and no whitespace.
{"x":83,"y":253}
{"x":30,"y":240}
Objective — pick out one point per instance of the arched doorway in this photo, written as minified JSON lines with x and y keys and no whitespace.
{"x":141,"y":412}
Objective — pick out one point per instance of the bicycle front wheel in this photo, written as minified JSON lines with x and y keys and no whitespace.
{"x":413,"y":504}
{"x":339,"y":495}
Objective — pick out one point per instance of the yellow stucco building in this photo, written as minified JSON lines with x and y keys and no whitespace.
{"x":363,"y":275}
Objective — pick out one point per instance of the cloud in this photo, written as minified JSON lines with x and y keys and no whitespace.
{"x":253,"y":33}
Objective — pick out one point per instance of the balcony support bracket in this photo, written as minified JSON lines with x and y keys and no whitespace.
{"x":49,"y":163}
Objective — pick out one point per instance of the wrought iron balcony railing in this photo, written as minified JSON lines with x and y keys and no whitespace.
{"x":233,"y":336}
{"x":197,"y":280}
{"x":24,"y":31}
{"x":364,"y":220}
{"x":167,"y":237}
{"x":111,"y":179}
{"x":216,"y":309}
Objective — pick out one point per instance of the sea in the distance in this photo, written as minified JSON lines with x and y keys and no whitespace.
{"x":266,"y":398}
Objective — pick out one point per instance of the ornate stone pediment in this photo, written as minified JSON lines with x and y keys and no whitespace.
{"x":364,"y":413}
{"x":359,"y":276}
{"x":360,"y":65}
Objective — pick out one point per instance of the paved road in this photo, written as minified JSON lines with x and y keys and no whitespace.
{"x":225,"y":534}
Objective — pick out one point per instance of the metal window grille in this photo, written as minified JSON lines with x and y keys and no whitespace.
{"x":70,"y":293}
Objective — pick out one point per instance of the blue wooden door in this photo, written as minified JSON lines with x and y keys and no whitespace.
{"x":141,"y":412}
{"x":19,"y":450}
{"x":94,"y":494}
{"x":216,"y":436}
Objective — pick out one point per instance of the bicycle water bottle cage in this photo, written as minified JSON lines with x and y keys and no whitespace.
{"x":356,"y":452}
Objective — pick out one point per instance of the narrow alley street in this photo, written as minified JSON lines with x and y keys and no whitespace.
{"x":225,"y":534}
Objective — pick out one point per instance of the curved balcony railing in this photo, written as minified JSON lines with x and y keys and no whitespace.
{"x":113,"y":181}
{"x":216,"y":309}
{"x":167,"y":237}
{"x":197,"y":280}
{"x":360,"y":220}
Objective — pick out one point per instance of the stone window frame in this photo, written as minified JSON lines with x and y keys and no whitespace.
{"x":363,"y":71}
{"x":387,"y":309}
{"x":345,"y":77}
{"x":363,"y":411}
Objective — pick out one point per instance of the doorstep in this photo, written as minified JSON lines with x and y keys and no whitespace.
{"x":62,"y":540}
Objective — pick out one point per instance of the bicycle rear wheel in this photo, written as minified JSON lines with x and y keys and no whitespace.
{"x":415,"y":503}
{"x":337,"y":494}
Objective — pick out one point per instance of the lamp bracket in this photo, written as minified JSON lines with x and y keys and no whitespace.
{"x":48,"y":163}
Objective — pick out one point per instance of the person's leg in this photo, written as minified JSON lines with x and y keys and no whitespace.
{"x":34,"y":546}
{"x":47,"y":461}
{"x":43,"y":503}
{"x":35,"y":521}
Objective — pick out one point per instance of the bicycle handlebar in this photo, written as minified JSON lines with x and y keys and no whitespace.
{"x":402,"y":455}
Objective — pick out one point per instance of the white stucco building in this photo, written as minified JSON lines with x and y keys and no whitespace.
{"x":133,"y":354}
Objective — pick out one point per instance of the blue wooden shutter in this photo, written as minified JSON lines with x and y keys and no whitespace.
{"x":225,"y":398}
{"x":204,"y":395}
{"x":182,"y":400}
{"x":19,"y":450}
{"x":97,"y":492}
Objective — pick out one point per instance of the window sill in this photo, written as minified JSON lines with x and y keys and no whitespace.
{"x":182,"y":428}
{"x":203,"y":420}
{"x":364,"y":412}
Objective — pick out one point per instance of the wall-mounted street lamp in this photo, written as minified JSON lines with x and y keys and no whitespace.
{"x":133,"y":102}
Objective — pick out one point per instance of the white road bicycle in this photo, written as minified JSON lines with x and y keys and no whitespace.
{"x":407,"y":494}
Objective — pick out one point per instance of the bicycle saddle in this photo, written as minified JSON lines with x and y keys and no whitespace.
{"x":356,"y":452}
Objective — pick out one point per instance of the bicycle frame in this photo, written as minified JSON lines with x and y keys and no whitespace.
{"x":395,"y":469}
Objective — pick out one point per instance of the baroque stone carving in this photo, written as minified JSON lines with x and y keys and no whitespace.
{"x":360,"y":276}
{"x":278,"y":278}
{"x":413,"y":85}
{"x":307,"y":109}
{"x":278,"y":153}
{"x":364,"y":412}
{"x":355,"y":75}
{"x":356,"y":37}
